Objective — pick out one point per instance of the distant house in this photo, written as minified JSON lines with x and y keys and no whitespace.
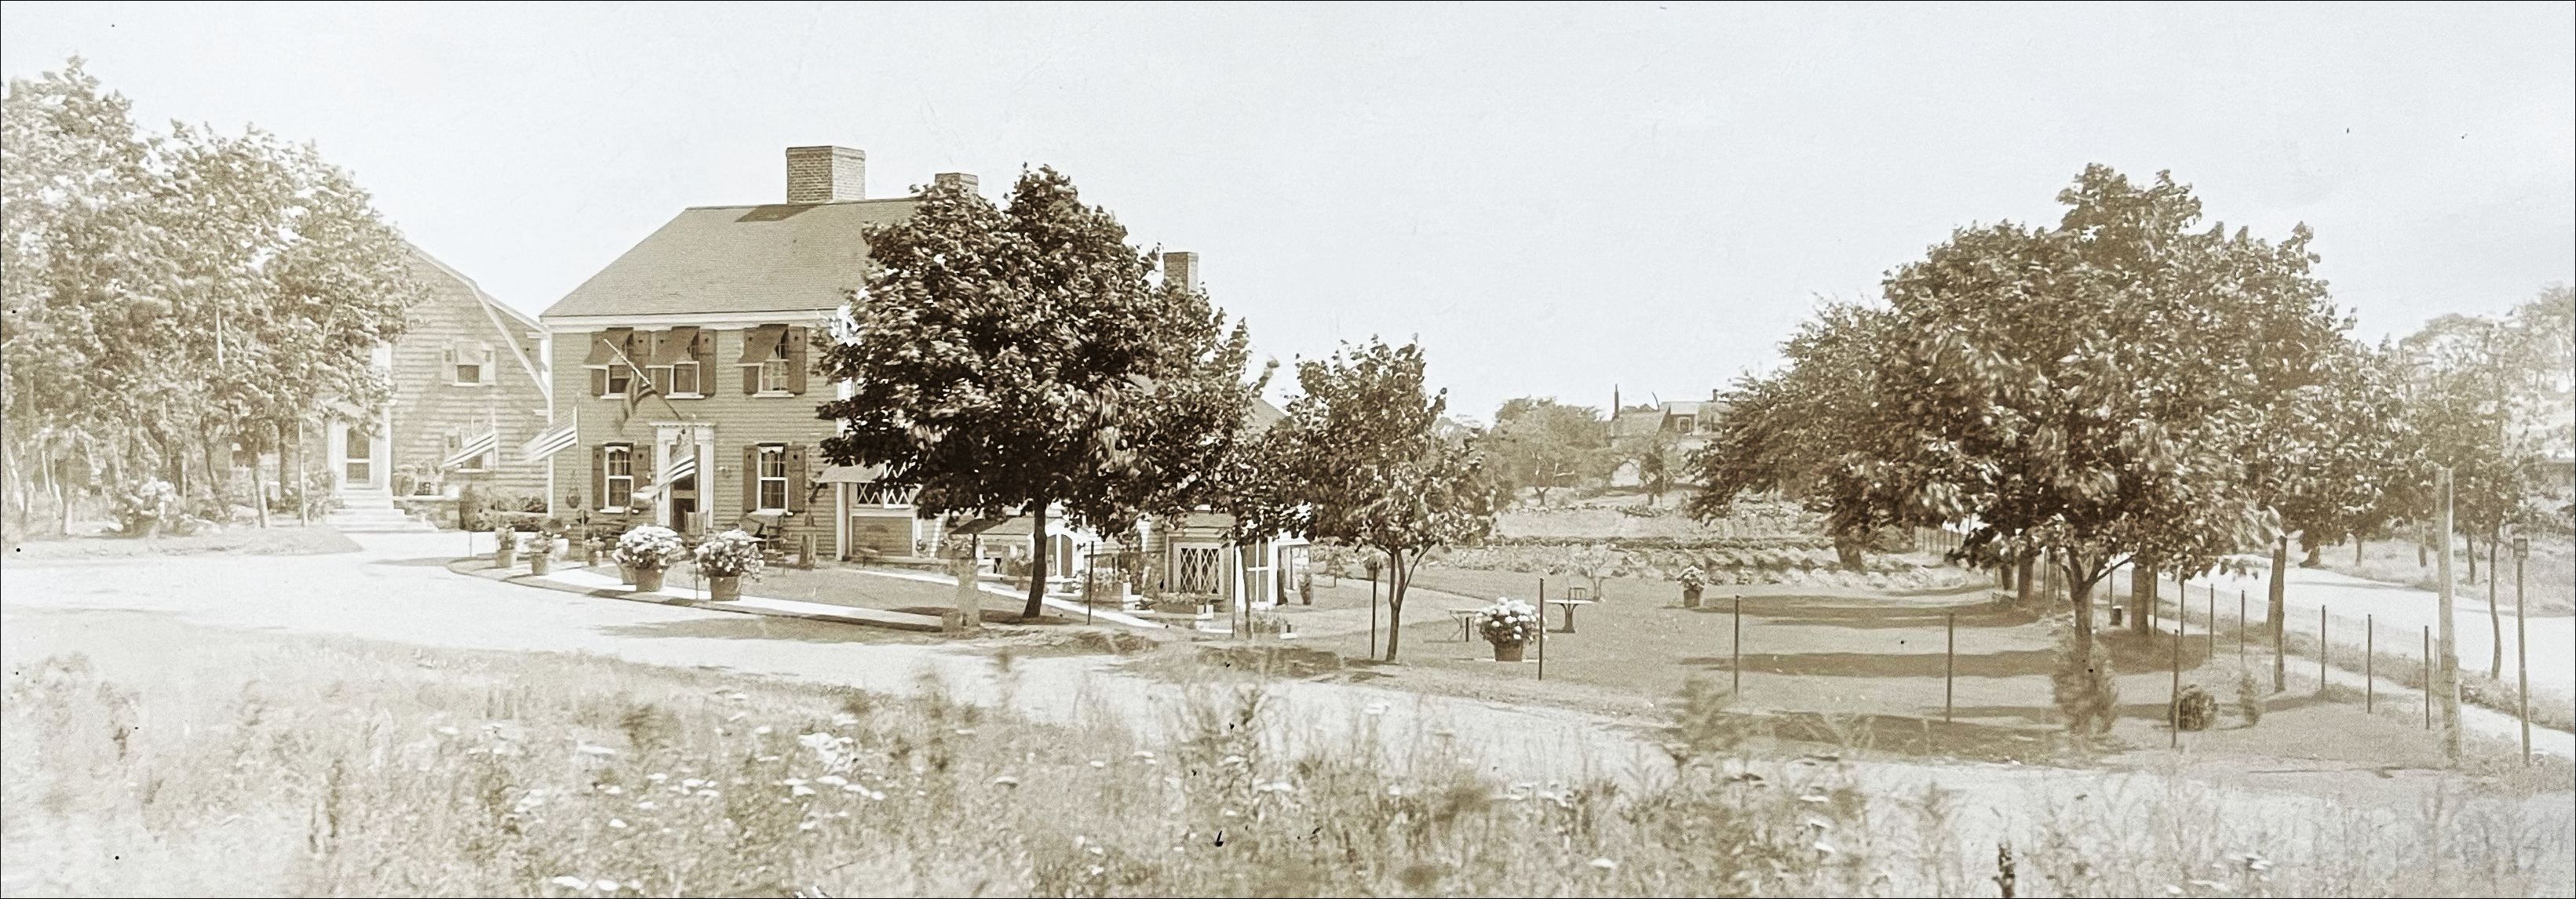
{"x":468,"y":372}
{"x":1690,"y":424}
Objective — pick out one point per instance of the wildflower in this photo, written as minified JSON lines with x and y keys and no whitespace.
{"x":448,"y":730}
{"x":844,"y":719}
{"x":707,"y":794}
{"x":766,"y":758}
{"x":570,"y":882}
{"x":965,"y":731}
{"x":693,"y":783}
{"x":1375,"y":708}
{"x":646,"y":805}
{"x":619,"y":823}
{"x":1144,"y":753}
{"x":594,"y":749}
{"x":800,"y":790}
{"x":657,"y":777}
{"x":739,"y":697}
{"x":853,"y":788}
{"x":1605,"y":864}
{"x":737,"y":716}
{"x":831,"y":780}
{"x":605,"y":885}
{"x":761,"y":731}
{"x":1824,"y":847}
{"x":613,"y":790}
{"x":1096,"y":763}
{"x":807,"y":825}
{"x":1007,"y":781}
{"x":1233,"y":760}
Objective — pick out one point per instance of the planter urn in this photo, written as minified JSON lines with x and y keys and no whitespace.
{"x":1690,"y":597}
{"x":1509,"y":652}
{"x":541,"y":564}
{"x":724,"y":588}
{"x":626,"y":574}
{"x":506,"y":554}
{"x":648,"y":580}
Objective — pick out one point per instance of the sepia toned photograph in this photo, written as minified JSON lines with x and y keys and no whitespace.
{"x":1194,"y":449}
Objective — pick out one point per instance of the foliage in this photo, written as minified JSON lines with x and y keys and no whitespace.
{"x":239,"y":271}
{"x":734,"y":553}
{"x":1788,"y":432}
{"x":2195,"y":709}
{"x":649,"y":547}
{"x":1692,"y":578}
{"x":146,"y":508}
{"x":2249,"y":697}
{"x":1508,"y":621}
{"x":2086,"y":691}
{"x":1360,"y":460}
{"x":1541,"y":444}
{"x":1022,"y":359}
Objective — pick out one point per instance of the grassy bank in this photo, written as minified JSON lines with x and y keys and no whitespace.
{"x":267,"y":765}
{"x":244,"y":540}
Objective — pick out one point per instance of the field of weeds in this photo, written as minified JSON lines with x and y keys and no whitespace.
{"x":316,"y":766}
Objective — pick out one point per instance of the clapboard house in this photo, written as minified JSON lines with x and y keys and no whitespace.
{"x":685,"y":386}
{"x":468,"y":382}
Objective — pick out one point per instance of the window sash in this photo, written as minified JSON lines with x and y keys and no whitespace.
{"x":773,"y":376}
{"x":469,"y":373}
{"x":684,"y":379}
{"x":773,"y":477}
{"x":620,"y":491}
{"x":620,"y":380}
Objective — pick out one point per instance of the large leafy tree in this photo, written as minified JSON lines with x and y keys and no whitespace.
{"x":1789,"y":432}
{"x":1362,"y":459}
{"x":2085,"y":390}
{"x":168,"y":295}
{"x":1541,"y":444}
{"x":1023,"y":358}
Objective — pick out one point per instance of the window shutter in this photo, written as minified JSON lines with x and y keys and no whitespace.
{"x":796,"y":478}
{"x":796,"y":346}
{"x":751,"y":477}
{"x":601,"y":344}
{"x":598,"y":477}
{"x":483,"y":354}
{"x":661,"y":379}
{"x":750,"y":368}
{"x":599,"y":382}
{"x":703,"y":350}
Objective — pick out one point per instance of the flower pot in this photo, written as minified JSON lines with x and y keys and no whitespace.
{"x":1690,"y":597}
{"x":626,"y":574}
{"x":506,"y":556}
{"x":648,"y":580}
{"x":1509,"y":652}
{"x":540,"y":564}
{"x":722,"y":588}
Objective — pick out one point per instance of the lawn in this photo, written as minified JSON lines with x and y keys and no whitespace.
{"x":169,"y":759}
{"x":2549,"y":576}
{"x":284,"y":540}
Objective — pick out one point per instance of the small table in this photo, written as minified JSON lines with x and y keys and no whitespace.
{"x":1466,"y":619}
{"x":1569,"y":605}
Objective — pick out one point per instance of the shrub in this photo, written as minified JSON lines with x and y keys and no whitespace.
{"x":2195,"y":709}
{"x":2084,"y":687}
{"x":2249,"y":697}
{"x":649,"y":548}
{"x":146,"y":508}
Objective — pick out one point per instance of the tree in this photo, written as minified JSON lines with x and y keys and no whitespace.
{"x":1541,"y":444}
{"x":1022,"y":358}
{"x":2332,"y":437}
{"x":1791,"y":432}
{"x":1657,"y":456}
{"x":2079,"y":390}
{"x":169,"y":295}
{"x":1361,"y":460}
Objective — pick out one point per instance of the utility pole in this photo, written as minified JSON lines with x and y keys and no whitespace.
{"x":2447,"y":670}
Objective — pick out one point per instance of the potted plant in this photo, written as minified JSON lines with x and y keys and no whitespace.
{"x":646,"y":551}
{"x":505,"y":545}
{"x":724,"y":560}
{"x":541,"y":553}
{"x":1693,"y":580}
{"x":1509,"y":624}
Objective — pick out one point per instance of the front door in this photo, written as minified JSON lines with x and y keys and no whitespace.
{"x":684,"y":505}
{"x":357,"y":458}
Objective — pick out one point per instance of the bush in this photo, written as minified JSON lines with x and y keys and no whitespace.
{"x":2249,"y":697}
{"x":2084,"y":688}
{"x":146,"y":508}
{"x":2195,"y":709}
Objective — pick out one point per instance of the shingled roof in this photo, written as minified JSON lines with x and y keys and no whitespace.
{"x":784,"y":257}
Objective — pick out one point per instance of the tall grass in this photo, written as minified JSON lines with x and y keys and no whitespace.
{"x":347,"y":769}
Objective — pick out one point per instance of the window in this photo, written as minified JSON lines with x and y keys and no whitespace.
{"x":620,"y":378}
{"x":469,"y":373}
{"x":684,"y":379}
{"x":456,"y":441}
{"x":773,"y":371}
{"x":773,"y":476}
{"x":619,"y":492}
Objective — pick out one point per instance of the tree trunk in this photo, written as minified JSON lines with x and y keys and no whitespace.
{"x":1037,"y":563}
{"x":2423,"y":541}
{"x":970,"y":596}
{"x":2023,"y":562}
{"x":2470,"y":542}
{"x":258,"y":490}
{"x":2079,"y":594}
{"x":303,"y":479}
{"x":1399,"y":575}
{"x":2142,"y":598}
{"x":2277,"y":605}
{"x":1847,"y":553}
{"x":2356,"y":552}
{"x":2495,"y":620}
{"x":2316,"y":554}
{"x":2004,"y":573}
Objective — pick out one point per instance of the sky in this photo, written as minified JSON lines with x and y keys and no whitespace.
{"x":1556,"y":200}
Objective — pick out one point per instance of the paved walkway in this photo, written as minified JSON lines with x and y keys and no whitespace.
{"x":578,"y":579}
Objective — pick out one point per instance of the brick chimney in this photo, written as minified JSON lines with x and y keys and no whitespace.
{"x":958,"y":179}
{"x":1181,"y":268}
{"x":826,"y":174}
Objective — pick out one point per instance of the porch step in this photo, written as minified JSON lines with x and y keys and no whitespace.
{"x":373,"y":512}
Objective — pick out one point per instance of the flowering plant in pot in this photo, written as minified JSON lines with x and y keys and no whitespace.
{"x":505,"y":546}
{"x":648,"y":550}
{"x":725,"y":559}
{"x":541,"y":554}
{"x":1693,"y":580}
{"x":1509,"y":624}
